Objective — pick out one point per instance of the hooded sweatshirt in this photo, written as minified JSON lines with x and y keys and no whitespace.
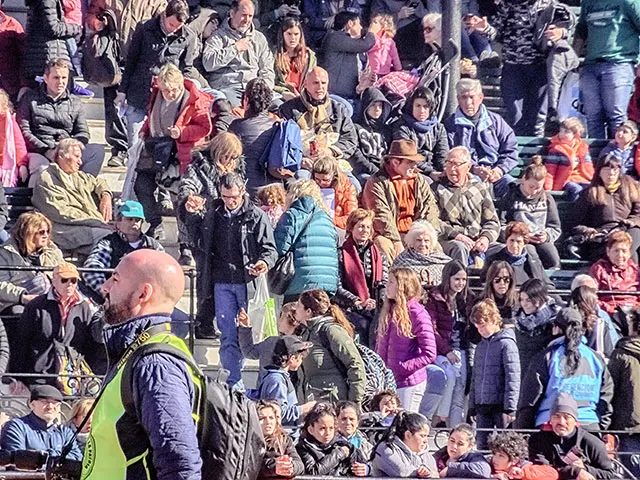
{"x":374,"y":135}
{"x":624,"y":367}
{"x":276,"y":385}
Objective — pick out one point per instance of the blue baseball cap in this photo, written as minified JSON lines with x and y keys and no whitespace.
{"x":131,"y":209}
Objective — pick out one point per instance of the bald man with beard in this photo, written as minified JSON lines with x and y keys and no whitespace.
{"x":160,"y":440}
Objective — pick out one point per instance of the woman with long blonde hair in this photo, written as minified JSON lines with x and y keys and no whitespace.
{"x":306,"y":229}
{"x":406,"y":341}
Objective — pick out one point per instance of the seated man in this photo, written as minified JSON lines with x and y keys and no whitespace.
{"x":41,"y":429}
{"x":318,"y":116}
{"x":399,"y":195}
{"x":108,"y":252}
{"x":491,"y":141}
{"x":67,"y":197}
{"x":562,"y":444}
{"x":468,"y":219}
{"x":236,"y":53}
{"x":617,"y":271}
{"x":59,"y":323}
{"x":47,"y":115}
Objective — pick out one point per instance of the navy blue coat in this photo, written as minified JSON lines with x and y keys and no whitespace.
{"x":163,"y":396}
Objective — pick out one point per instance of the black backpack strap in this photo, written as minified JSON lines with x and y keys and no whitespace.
{"x":326,"y":343}
{"x":126,"y":383}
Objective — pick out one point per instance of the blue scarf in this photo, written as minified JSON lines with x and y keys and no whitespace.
{"x":516,"y":260}
{"x":483,"y":126}
{"x":420,"y":127}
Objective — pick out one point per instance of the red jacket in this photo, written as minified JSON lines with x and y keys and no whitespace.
{"x":610,"y":277}
{"x":346,"y":200}
{"x":568,"y":163}
{"x":194,"y":121}
{"x":11,"y":44}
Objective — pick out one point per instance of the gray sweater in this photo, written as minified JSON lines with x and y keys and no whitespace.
{"x":395,"y":459}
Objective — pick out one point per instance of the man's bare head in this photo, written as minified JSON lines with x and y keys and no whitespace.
{"x":317,"y":83}
{"x":145,"y":282}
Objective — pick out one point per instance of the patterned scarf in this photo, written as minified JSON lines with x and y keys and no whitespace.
{"x":428,"y":267}
{"x":354,"y":277}
{"x":316,"y":117}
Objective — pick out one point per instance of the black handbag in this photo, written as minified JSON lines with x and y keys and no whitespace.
{"x":280,"y":276}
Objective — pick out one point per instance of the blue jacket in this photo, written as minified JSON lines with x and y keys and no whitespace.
{"x":470,"y":465}
{"x":495,"y":377}
{"x":163,"y":397}
{"x":491,"y":141}
{"x":31,"y":433}
{"x":315,"y":255}
{"x":276,"y":385}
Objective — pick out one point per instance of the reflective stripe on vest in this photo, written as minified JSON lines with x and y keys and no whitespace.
{"x":117,"y":447}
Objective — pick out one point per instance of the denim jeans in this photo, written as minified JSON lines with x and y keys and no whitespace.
{"x":572,"y":190}
{"x":524,"y":92}
{"x":436,"y":384}
{"x":411,"y":397}
{"x":135,"y":119}
{"x":115,"y":131}
{"x":229,"y":299}
{"x":606,"y":89}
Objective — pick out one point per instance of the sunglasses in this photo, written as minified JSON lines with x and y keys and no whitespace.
{"x":42,"y":232}
{"x":502,"y":280}
{"x":72,"y":280}
{"x":428,"y":29}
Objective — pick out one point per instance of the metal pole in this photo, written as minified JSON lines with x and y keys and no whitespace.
{"x":451,"y":29}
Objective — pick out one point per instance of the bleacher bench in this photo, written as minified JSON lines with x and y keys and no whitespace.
{"x":19,"y":201}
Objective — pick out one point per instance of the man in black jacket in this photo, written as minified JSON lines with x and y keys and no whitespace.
{"x":49,"y":113}
{"x":574,"y":452}
{"x":59,"y":323}
{"x":163,"y":39}
{"x":239,"y":246}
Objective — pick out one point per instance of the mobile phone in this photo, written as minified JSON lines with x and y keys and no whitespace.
{"x":413,"y":5}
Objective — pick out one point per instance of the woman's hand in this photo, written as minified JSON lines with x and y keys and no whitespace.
{"x":243,"y":319}
{"x":284,"y":466}
{"x":453,"y":357}
{"x":194,"y":204}
{"x":359,"y":469}
{"x":424,"y":472}
{"x":23,"y":173}
{"x":406,"y":12}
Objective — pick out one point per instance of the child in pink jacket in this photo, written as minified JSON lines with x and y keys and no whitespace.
{"x":383,"y":56}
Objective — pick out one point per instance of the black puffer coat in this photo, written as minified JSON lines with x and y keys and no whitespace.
{"x":45,"y":121}
{"x":46,"y":33}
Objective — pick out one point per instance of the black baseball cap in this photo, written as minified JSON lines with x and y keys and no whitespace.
{"x":290,"y":345}
{"x":45,"y":391}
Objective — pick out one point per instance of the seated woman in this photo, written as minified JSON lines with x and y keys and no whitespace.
{"x":338,"y":192}
{"x":509,"y":459}
{"x":523,"y":259}
{"x":617,"y":271}
{"x":500,"y":286}
{"x":293,"y":59}
{"x":459,"y":459}
{"x":281,"y":460}
{"x":178,"y":120}
{"x":600,"y":333}
{"x":347,"y":421}
{"x":423,"y":254}
{"x":534,"y":321}
{"x":404,"y":450}
{"x":528,"y":202}
{"x":567,"y":365}
{"x":612,"y":202}
{"x":13,"y":151}
{"x":419,"y":123}
{"x":364,"y":270}
{"x":324,"y":454}
{"x":30,"y":245}
{"x":383,"y":408}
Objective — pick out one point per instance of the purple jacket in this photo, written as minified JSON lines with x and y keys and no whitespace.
{"x":407,"y":357}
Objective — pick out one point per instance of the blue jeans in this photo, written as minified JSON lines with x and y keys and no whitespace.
{"x":572,"y":190}
{"x":229,"y":299}
{"x":501,"y":187}
{"x":524,"y":92}
{"x":134,"y":119}
{"x":606,"y":89}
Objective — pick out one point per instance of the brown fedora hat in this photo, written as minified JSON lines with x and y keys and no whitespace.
{"x":405,"y":150}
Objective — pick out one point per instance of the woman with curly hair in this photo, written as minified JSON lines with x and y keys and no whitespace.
{"x":307,"y":230}
{"x":406,"y":341}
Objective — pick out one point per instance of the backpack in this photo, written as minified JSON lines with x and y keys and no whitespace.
{"x":285,"y":147}
{"x":101,"y":54}
{"x":379,"y":377}
{"x":229,"y":435}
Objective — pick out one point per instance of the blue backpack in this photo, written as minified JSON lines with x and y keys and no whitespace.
{"x":285,"y":148}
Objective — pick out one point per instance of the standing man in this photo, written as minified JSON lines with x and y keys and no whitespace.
{"x":239,"y":245}
{"x":610,"y":29}
{"x":160,"y":440}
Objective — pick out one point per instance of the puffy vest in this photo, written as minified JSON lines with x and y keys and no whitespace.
{"x":118,"y":448}
{"x":584,"y":385}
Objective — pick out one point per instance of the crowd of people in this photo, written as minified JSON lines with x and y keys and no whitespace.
{"x":371,"y":236}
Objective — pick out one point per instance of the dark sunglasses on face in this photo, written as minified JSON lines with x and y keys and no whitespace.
{"x":72,"y":280}
{"x":428,"y":29}
{"x":502,"y":280}
{"x":42,"y":232}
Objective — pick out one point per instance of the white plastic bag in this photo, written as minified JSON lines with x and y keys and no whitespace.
{"x":262,"y":312}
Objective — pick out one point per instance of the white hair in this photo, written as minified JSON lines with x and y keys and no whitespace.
{"x":418,"y":227}
{"x":468,"y":85}
{"x":459,"y":151}
{"x":434,"y":19}
{"x":583,"y":280}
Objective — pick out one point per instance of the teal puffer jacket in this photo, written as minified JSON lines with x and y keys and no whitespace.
{"x":316,"y":248}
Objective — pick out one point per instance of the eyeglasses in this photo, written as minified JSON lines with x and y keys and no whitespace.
{"x":456,"y":164}
{"x":72,"y":280}
{"x":428,"y":29}
{"x":502,"y":280}
{"x":612,"y":166}
{"x":42,"y":232}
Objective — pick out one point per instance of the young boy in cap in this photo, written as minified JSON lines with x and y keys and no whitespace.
{"x":40,"y":430}
{"x":276,"y":384}
{"x":563,"y":444}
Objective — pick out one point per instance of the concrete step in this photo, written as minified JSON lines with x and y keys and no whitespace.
{"x":93,"y":108}
{"x":96,"y":131}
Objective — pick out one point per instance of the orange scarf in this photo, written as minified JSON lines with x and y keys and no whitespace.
{"x":405,"y":193}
